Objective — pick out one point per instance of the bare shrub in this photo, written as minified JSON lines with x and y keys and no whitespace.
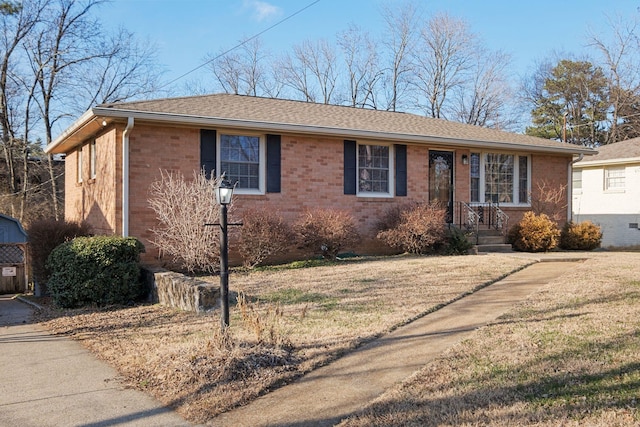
{"x":44,"y":237}
{"x":583,"y":236}
{"x":326,"y":232}
{"x":393,"y":216}
{"x":550,"y":200}
{"x":183,"y":208}
{"x":534,"y":233}
{"x":420,"y":230}
{"x":263,"y":234}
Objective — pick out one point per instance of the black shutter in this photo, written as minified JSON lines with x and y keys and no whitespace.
{"x":350,"y":167}
{"x":208,"y":152}
{"x":401,"y":169}
{"x":273,"y":163}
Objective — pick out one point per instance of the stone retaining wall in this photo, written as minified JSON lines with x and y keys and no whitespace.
{"x":183,"y":292}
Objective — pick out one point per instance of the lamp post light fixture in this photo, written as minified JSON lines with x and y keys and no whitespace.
{"x":224,"y":192}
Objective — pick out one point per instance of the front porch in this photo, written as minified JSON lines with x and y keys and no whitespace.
{"x":487,"y":224}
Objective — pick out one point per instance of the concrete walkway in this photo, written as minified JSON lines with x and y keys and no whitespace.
{"x":329,"y":394}
{"x":53,"y":381}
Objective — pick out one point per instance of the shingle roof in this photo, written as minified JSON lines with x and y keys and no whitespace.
{"x":619,"y":151}
{"x":292,"y":116}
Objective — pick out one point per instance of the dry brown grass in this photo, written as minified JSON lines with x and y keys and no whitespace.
{"x":291,"y":322}
{"x":568,"y":356}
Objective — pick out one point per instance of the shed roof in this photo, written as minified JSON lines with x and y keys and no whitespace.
{"x":278,"y":115}
{"x":11,"y":230}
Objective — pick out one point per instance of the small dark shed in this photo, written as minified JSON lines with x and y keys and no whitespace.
{"x":13,"y":256}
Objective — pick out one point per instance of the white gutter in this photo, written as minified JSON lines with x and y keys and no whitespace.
{"x":570,"y":186}
{"x":608,"y":162}
{"x":125,"y":177}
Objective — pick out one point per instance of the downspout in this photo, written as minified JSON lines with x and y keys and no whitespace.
{"x":570,"y":186}
{"x":125,"y":177}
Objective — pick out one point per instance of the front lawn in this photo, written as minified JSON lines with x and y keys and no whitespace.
{"x":568,"y":355}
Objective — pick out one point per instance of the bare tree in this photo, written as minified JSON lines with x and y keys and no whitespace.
{"x":399,"y":41}
{"x":311,"y":71}
{"x":17,"y":21}
{"x":443,"y":59}
{"x":620,"y":56}
{"x":242,"y":71}
{"x":121,"y":68}
{"x":75,"y":64}
{"x":483,"y":99}
{"x":362,"y":68}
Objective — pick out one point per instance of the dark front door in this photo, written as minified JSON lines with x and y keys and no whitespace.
{"x":441,"y":180}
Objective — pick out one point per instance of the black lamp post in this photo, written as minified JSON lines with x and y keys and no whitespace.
{"x":224,"y":191}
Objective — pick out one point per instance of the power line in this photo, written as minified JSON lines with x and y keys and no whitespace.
{"x":241,"y":43}
{"x":569,"y":125}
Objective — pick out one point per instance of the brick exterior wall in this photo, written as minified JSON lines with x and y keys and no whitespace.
{"x":94,"y":199}
{"x":312,"y":170}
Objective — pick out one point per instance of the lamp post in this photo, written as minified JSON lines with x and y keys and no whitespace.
{"x":224,"y":191}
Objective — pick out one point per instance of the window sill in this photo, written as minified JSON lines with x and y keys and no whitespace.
{"x":615,"y":191}
{"x":247,"y":192}
{"x":375,"y":195}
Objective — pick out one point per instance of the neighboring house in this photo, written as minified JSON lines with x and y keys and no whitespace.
{"x":289,"y":156}
{"x":606,"y":191}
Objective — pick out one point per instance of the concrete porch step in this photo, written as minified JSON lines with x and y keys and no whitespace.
{"x":490,"y":240}
{"x":500,"y":247}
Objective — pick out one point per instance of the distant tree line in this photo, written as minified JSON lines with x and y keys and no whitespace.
{"x":436,"y":66}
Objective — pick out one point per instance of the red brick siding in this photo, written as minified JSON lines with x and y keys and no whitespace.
{"x":312,"y":170}
{"x":94,"y":199}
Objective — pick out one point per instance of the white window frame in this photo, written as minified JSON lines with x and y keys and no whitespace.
{"x":92,"y":159}
{"x":516,"y":179}
{"x":79,"y":164}
{"x":619,"y":176}
{"x":391,"y":182}
{"x":576,"y":188}
{"x":262,"y":161}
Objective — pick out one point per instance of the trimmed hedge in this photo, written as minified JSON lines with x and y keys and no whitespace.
{"x":101,"y":270}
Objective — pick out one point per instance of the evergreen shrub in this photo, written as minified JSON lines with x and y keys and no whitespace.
{"x":100,"y":270}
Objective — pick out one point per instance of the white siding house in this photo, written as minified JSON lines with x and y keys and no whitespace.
{"x":606,"y":191}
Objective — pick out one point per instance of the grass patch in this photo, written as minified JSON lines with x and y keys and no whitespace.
{"x":290,"y":296}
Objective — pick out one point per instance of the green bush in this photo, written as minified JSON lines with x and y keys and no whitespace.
{"x":420,"y":228}
{"x":583,"y":236}
{"x":534,"y":233}
{"x":44,"y":236}
{"x":101,"y":270}
{"x":457,"y":242}
{"x":326,"y":232}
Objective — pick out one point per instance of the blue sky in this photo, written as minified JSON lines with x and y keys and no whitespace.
{"x":187,"y":30}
